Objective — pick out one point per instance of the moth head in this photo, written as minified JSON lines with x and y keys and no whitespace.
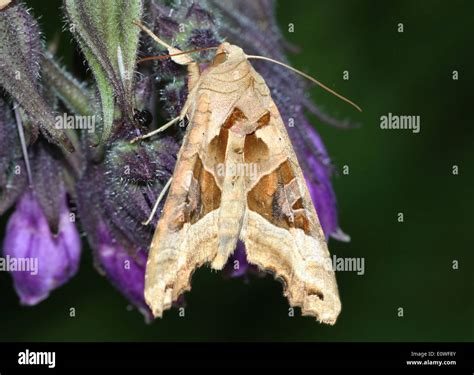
{"x":228,"y":54}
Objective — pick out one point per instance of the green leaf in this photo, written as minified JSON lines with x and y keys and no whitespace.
{"x":73,"y":94}
{"x":109,"y":41}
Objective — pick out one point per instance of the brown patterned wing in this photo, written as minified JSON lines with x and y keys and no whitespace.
{"x":282,"y":233}
{"x":186,"y":234}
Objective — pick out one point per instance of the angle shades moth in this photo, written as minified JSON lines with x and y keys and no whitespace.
{"x":233,"y":122}
{"x":4,"y":3}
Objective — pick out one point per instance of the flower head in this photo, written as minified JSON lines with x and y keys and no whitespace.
{"x":125,"y":271}
{"x":114,"y":198}
{"x":52,"y":259}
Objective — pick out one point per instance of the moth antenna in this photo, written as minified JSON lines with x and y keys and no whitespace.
{"x":162,"y":57}
{"x":21,"y":135}
{"x":314,"y":80}
{"x":174,"y":51}
{"x":151,"y":34}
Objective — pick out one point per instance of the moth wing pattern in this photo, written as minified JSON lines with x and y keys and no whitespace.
{"x":186,"y":235}
{"x":234,"y":122}
{"x":282,"y":232}
{"x":191,"y":229}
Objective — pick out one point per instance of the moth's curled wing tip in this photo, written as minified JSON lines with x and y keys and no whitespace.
{"x":318,"y":298}
{"x":154,"y":300}
{"x":156,"y":308}
{"x":323,"y":312}
{"x":325,"y":308}
{"x":157,"y":313}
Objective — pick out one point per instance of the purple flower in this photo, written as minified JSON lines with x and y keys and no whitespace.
{"x":126,"y":272}
{"x":114,"y":199}
{"x":48,"y":260}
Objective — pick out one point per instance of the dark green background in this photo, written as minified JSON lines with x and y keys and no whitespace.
{"x":408,"y":264}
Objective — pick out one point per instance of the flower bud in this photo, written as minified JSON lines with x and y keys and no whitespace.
{"x":38,"y":260}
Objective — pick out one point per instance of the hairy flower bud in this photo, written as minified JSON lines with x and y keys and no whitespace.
{"x":20,"y":56}
{"x":13,"y":176}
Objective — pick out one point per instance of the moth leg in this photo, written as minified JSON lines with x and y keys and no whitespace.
{"x":181,"y":116}
{"x":158,"y":200}
{"x":159,"y":130}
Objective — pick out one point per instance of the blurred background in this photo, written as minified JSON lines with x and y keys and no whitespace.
{"x":408,"y":265}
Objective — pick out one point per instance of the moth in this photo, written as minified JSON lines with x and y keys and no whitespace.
{"x":237,"y":177}
{"x":4,"y":3}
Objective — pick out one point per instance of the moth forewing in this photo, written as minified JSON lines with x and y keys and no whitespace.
{"x":288,"y":239}
{"x":233,"y":120}
{"x":4,"y":4}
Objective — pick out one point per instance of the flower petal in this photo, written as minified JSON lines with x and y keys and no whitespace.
{"x":126,"y":272}
{"x":28,"y":237}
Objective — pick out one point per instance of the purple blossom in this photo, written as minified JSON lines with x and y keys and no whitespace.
{"x":113,"y":200}
{"x":28,"y":236}
{"x":125,"y":271}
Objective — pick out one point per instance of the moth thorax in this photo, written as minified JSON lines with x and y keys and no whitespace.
{"x":229,"y":54}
